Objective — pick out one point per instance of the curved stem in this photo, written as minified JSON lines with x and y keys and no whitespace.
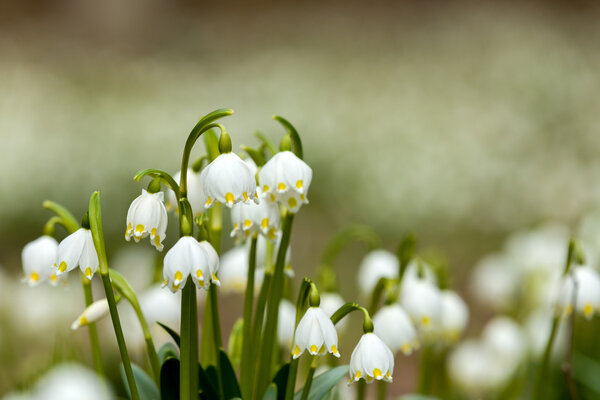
{"x":67,"y":219}
{"x":293,"y":135}
{"x":95,"y":218}
{"x":92,"y":330}
{"x":347,"y":309}
{"x":246,"y":363}
{"x":162,"y":175}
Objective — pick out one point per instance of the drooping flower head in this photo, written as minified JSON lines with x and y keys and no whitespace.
{"x":377,"y":264}
{"x":195,"y":194}
{"x":393,"y":326}
{"x":39,"y":261}
{"x":455,"y":316}
{"x":371,"y":360}
{"x":95,"y":312}
{"x":190,"y":258}
{"x":228,"y":180}
{"x":423,"y":303}
{"x":147,"y":216}
{"x":286,"y":323}
{"x":587,"y":295}
{"x":78,"y":249}
{"x":316,"y":334}
{"x":285,"y":178}
{"x":253,"y":218}
{"x":233,"y":271}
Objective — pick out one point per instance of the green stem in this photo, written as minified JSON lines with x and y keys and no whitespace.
{"x":246,"y":363}
{"x":275,"y":294}
{"x":381,"y":390}
{"x":95,"y":218}
{"x":309,"y":379}
{"x":424,"y":371}
{"x":188,"y":378}
{"x":361,"y":389}
{"x":92,"y":330}
{"x":162,"y":175}
{"x":67,"y":219}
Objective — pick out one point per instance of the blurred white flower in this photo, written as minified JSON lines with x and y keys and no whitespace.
{"x":506,"y":339}
{"x":190,"y":258}
{"x":393,"y":326}
{"x":418,"y":270}
{"x":371,"y":360}
{"x":455,"y":316}
{"x":95,"y":312}
{"x":233,"y":271}
{"x":423,"y":303}
{"x":375,"y":265}
{"x":261,"y":255}
{"x":537,"y":327}
{"x":78,"y":249}
{"x":39,"y":261}
{"x":286,"y":322}
{"x":330,"y":303}
{"x":315,"y":333}
{"x":285,"y":178}
{"x":147,"y":215}
{"x":249,"y":218}
{"x":495,"y":281}
{"x":228,"y":180}
{"x":587,"y":296}
{"x":71,"y":382}
{"x":195,"y":195}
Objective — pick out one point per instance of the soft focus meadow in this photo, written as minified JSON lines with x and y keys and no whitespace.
{"x":472,"y":126}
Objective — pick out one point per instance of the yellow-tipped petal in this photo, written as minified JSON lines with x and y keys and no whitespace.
{"x":178,"y":277}
{"x":281,"y":186}
{"x":425,"y":321}
{"x":377,"y":373}
{"x":297,"y":351}
{"x":139,"y":228}
{"x":247,"y":223}
{"x":245,"y":195}
{"x":62,"y":266}
{"x":88,"y":272}
{"x":34,"y":277}
{"x":313,"y":349}
{"x":264,"y":223}
{"x":229,"y":199}
{"x":299,"y":184}
{"x":265,"y":188}
{"x":208,"y":202}
{"x":588,"y":310}
{"x":292,"y":203}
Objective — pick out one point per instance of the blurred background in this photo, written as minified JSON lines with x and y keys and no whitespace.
{"x":458,"y":121}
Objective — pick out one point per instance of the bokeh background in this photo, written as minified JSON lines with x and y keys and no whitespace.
{"x":458,"y":121}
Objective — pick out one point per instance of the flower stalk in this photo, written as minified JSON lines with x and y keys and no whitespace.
{"x":246,"y":363}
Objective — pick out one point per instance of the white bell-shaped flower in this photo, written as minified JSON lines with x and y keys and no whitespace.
{"x":286,"y":322}
{"x":393,"y":326}
{"x":330,"y":303}
{"x":587,"y":296}
{"x":455,"y":316}
{"x":228,"y":180}
{"x":233,"y":270}
{"x":371,"y":360}
{"x":188,"y":257}
{"x":195,"y":195}
{"x":423,"y":303}
{"x":147,"y":215}
{"x":507,"y":339}
{"x":252,"y":218}
{"x":78,"y":249}
{"x":377,"y":264}
{"x":95,"y":312}
{"x":39,"y":261}
{"x":418,"y":269}
{"x":316,"y":334}
{"x":285,"y":178}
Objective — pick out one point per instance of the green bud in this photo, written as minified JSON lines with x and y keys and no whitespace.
{"x":85,"y":221}
{"x":286,"y":143}
{"x":224,"y":143}
{"x":154,"y":185}
{"x":314,"y":299}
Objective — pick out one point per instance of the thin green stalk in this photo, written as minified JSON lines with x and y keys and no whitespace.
{"x":92,"y":330}
{"x":361,"y":390}
{"x":568,"y":364}
{"x":188,"y":378}
{"x":95,"y":218}
{"x":275,"y":294}
{"x":424,"y":370}
{"x":309,"y":379}
{"x":381,"y":390}
{"x":246,"y":363}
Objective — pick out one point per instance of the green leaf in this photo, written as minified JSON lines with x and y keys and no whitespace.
{"x":171,"y":332}
{"x":280,"y":380}
{"x":322,"y":384}
{"x":231,"y":388}
{"x":169,"y":379}
{"x":120,"y":283}
{"x":206,"y":380}
{"x":586,"y":371}
{"x":166,"y":351}
{"x":271,"y":393}
{"x":234,"y":345}
{"x":145,"y":385}
{"x":416,"y":397}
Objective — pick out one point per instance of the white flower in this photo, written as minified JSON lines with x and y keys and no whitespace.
{"x":587,"y":297}
{"x":315,"y":333}
{"x":423,"y":303}
{"x":508,"y":341}
{"x":285,"y":178}
{"x":371,"y":359}
{"x":455,"y":315}
{"x":376,"y":265}
{"x":233,"y":270}
{"x":228,"y":180}
{"x":286,"y":322}
{"x":418,"y":270}
{"x":255,"y":218}
{"x":39,"y":261}
{"x":78,"y":249}
{"x":261,"y":255}
{"x":495,"y":281}
{"x":147,"y":215}
{"x":330,"y":303}
{"x":71,"y":382}
{"x":393,"y":326}
{"x":190,"y":258}
{"x":195,"y":194}
{"x":95,"y":312}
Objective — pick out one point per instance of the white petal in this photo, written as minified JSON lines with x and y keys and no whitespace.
{"x":69,"y":251}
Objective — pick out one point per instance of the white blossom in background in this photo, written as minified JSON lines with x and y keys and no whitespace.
{"x":587,"y":296}
{"x":423,"y":302}
{"x":190,"y":258}
{"x":195,"y":194}
{"x":95,"y":312}
{"x":233,"y":271}
{"x":418,"y":269}
{"x":495,"y":282}
{"x":39,"y":261}
{"x":77,"y":249}
{"x":263,"y":218}
{"x":285,"y":178}
{"x":455,"y":316}
{"x":228,"y":180}
{"x":71,"y":382}
{"x":330,"y":303}
{"x":537,"y":327}
{"x":375,"y":265}
{"x":371,"y":360}
{"x":286,"y":322}
{"x":394,"y":326}
{"x":507,"y":340}
{"x":316,"y":334}
{"x":261,"y":255}
{"x":147,"y":215}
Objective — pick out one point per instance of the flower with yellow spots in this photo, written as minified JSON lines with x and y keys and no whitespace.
{"x":285,"y":178}
{"x":262,"y":218}
{"x":194,"y":193}
{"x":422,"y":301}
{"x":77,"y":249}
{"x":316,"y":334}
{"x":95,"y":312}
{"x":39,"y":261}
{"x":147,"y":216}
{"x":375,"y":265}
{"x":233,"y":270}
{"x":455,"y":316}
{"x":393,"y":326}
{"x":371,"y":360}
{"x":228,"y":180}
{"x":190,"y":258}
{"x":587,"y":296}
